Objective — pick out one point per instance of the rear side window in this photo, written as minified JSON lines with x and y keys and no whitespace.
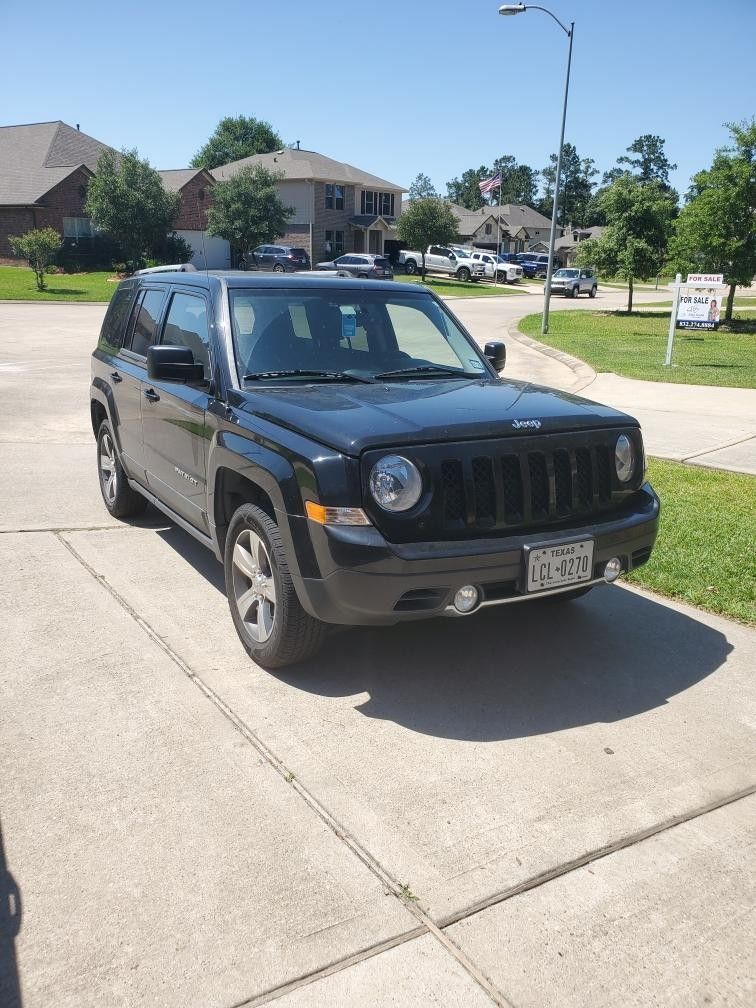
{"x":116,"y":319}
{"x":146,"y":321}
{"x":186,"y":325}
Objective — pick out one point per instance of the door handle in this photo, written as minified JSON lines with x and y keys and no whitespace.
{"x":151,"y":394}
{"x":115,"y":376}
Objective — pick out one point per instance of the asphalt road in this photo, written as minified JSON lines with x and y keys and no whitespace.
{"x":547,"y":805}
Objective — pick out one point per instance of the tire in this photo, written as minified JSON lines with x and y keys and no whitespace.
{"x":410,"y":267}
{"x":571,"y":292}
{"x":362,"y":276}
{"x":463,"y":273}
{"x":271,"y":623}
{"x":278,"y":268}
{"x":592,"y":292}
{"x":118,"y":497}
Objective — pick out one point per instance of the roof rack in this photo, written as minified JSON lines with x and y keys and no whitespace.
{"x":177,"y":268}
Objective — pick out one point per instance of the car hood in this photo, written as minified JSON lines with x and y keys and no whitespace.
{"x":352,"y":418}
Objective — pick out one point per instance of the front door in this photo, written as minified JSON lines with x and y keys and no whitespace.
{"x":173,"y":416}
{"x":129,"y":375}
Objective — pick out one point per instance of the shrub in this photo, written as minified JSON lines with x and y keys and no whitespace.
{"x":39,"y":248}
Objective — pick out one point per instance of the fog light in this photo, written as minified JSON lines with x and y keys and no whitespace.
{"x":613,"y":569}
{"x":466,"y":599}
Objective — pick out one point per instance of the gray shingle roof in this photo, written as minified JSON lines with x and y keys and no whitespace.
{"x":36,"y":157}
{"x":174,"y":179}
{"x":302,"y":164}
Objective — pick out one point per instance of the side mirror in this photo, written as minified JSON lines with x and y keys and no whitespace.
{"x":496,"y":355}
{"x":173,"y":363}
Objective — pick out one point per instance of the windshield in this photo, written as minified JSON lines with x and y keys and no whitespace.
{"x":571,"y":273}
{"x":365,"y":333}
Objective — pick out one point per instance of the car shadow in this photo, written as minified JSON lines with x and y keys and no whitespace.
{"x":10,"y":925}
{"x":511,"y":671}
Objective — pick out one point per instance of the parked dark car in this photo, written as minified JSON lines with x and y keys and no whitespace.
{"x":352,"y":456}
{"x":535,"y":264}
{"x":278,"y":258}
{"x":361,"y":264}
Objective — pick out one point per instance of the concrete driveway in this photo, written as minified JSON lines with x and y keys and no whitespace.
{"x":547,"y":806}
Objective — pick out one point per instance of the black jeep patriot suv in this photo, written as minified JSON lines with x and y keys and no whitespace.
{"x":352,"y":457}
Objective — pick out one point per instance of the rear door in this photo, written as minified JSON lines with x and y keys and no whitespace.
{"x":173,"y":415}
{"x":130,"y":367}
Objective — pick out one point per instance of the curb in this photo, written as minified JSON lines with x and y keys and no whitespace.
{"x":51,"y":302}
{"x":582,"y":371}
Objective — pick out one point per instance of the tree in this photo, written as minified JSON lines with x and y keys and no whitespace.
{"x":422,"y":188}
{"x":235,"y":138}
{"x":39,"y":248}
{"x":639,"y":218}
{"x":519,"y":182}
{"x":716,"y":230}
{"x":126,"y":199}
{"x":247,"y":210}
{"x":575,"y":186}
{"x":650,"y":164}
{"x":465,"y":191}
{"x":425,"y":222}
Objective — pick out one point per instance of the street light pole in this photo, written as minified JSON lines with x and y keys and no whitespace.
{"x":509,"y":9}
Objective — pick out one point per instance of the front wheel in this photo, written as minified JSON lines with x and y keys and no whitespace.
{"x":463,"y":273}
{"x":572,"y":292}
{"x":593,"y":292}
{"x":269,"y":618}
{"x":410,"y":267}
{"x":120,"y":500}
{"x":278,"y":268}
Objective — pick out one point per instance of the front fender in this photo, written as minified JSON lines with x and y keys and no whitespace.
{"x":100,"y":391}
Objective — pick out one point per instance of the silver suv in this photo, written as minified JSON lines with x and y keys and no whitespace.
{"x":572,"y":281}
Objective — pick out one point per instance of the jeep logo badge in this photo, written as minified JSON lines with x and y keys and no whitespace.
{"x":532,"y":424}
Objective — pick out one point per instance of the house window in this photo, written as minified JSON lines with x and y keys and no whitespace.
{"x":334,"y":241}
{"x":334,"y":196}
{"x":377,"y":203}
{"x":78,"y":227}
{"x":488,"y":229}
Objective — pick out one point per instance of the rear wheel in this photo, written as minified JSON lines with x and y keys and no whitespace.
{"x":463,"y":273}
{"x":272,"y":625}
{"x":278,"y":268}
{"x":120,"y":500}
{"x":362,"y":276}
{"x":410,"y":267}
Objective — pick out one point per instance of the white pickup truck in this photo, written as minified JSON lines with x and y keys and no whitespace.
{"x":440,"y":259}
{"x":496,"y":265}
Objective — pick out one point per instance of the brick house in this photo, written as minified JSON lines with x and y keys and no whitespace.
{"x":45,"y":170}
{"x":195,"y":186}
{"x":337,"y":208}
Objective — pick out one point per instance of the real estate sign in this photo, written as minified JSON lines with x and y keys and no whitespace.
{"x":698,"y":308}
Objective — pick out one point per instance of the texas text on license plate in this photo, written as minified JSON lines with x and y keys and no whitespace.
{"x":558,"y":564}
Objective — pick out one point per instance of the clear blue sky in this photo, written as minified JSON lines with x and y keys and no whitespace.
{"x":393,"y":87}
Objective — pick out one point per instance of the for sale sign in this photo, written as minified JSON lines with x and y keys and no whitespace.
{"x":705,"y":278}
{"x":698,"y":308}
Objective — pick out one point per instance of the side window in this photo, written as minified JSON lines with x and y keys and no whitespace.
{"x":147,"y":316}
{"x":116,"y":319}
{"x":186,"y":325}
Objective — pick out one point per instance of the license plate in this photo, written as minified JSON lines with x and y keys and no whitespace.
{"x":559,"y":564}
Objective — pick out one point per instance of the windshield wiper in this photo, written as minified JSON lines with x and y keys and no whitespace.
{"x":304,"y":373}
{"x":427,"y":369}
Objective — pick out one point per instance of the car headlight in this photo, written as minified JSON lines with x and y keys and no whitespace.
{"x":395,"y":483}
{"x":624,"y":458}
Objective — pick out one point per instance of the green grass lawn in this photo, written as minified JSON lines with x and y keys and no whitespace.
{"x":706,"y":550}
{"x":635,"y":345}
{"x":17,"y":283}
{"x":454,"y":288}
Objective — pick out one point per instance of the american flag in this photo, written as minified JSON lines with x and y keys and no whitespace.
{"x":489,"y":184}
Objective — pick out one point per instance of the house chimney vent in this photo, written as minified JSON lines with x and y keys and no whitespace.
{"x":297,"y":144}
{"x":78,"y":127}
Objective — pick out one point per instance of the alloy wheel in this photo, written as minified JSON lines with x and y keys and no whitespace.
{"x":108,"y":472}
{"x":254,"y":586}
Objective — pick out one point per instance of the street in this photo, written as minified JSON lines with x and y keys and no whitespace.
{"x":539,"y":805}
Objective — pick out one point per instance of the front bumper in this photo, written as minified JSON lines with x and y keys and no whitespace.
{"x":367,"y":581}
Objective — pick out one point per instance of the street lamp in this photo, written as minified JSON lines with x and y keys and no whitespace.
{"x":508,"y":10}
